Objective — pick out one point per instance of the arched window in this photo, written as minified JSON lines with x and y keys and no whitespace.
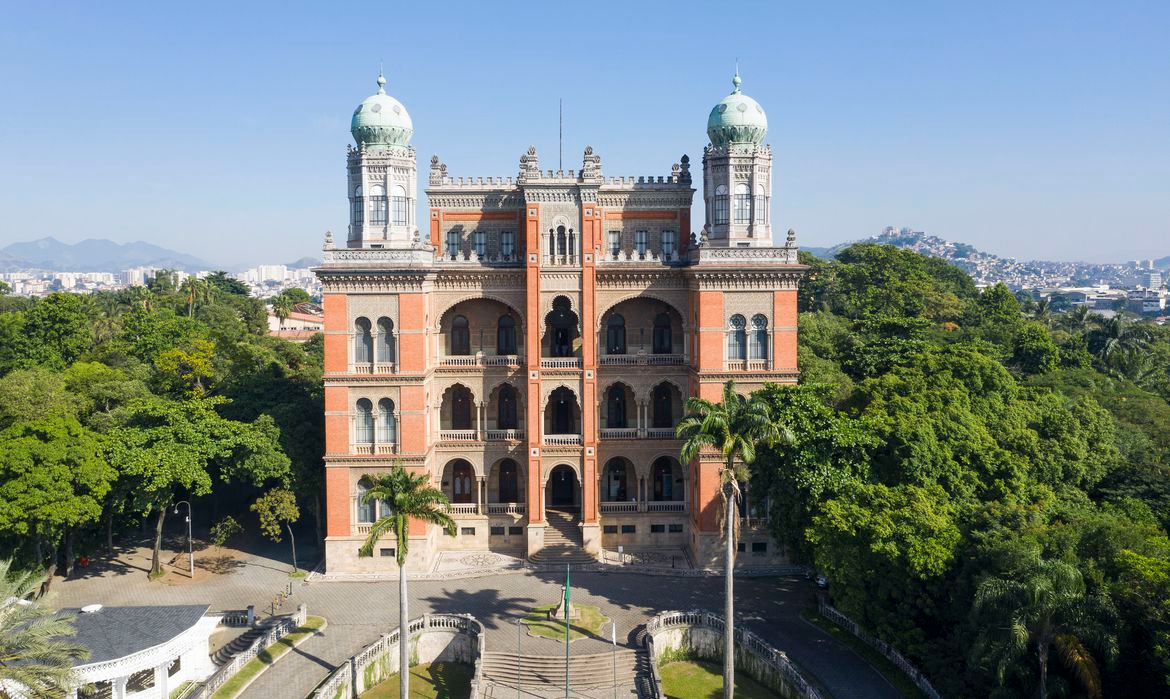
{"x":562,"y":241}
{"x":357,"y":206}
{"x":378,"y":205}
{"x":460,"y":336}
{"x":614,"y":489}
{"x":363,"y":432}
{"x":507,"y":486}
{"x":615,"y":407}
{"x":561,"y":414}
{"x":365,"y":510}
{"x":663,"y":479}
{"x":615,"y":335}
{"x":385,"y":340}
{"x":737,"y":338}
{"x":460,"y":408}
{"x":387,"y":422}
{"x":506,"y":335}
{"x":663,"y":406}
{"x":506,"y":408}
{"x":662,"y":334}
{"x":721,"y":204}
{"x":399,"y":207}
{"x":363,"y":342}
{"x":761,"y":205}
{"x":462,"y":477}
{"x":561,"y":327}
{"x":743,"y":204}
{"x":759,"y":343}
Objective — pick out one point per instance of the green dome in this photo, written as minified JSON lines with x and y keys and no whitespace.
{"x":381,"y":120}
{"x":737,"y":119}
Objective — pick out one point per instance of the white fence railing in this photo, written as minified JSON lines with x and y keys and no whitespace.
{"x":640,"y":359}
{"x":463,"y":508}
{"x":459,"y":435}
{"x":505,"y":435}
{"x":560,"y":362}
{"x":619,"y":433}
{"x":747,"y":641}
{"x":351,"y":679}
{"x":279,"y":629}
{"x":615,"y":507}
{"x":562,"y":440}
{"x":506,"y":508}
{"x":666,"y":506}
{"x":830,"y":612}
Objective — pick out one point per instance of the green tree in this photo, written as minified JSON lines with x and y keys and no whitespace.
{"x":5,"y":289}
{"x":295,"y":295}
{"x":1033,"y":350}
{"x":35,"y":653}
{"x":1044,"y":606}
{"x":55,"y":332}
{"x":278,"y":508}
{"x":166,"y":446}
{"x":196,"y":292}
{"x":404,"y":496}
{"x":737,"y":427}
{"x":53,"y":478}
{"x":226,"y":284}
{"x":282,"y":307}
{"x":27,"y":394}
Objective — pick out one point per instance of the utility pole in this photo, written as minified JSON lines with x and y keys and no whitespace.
{"x":190,"y":543}
{"x":561,"y":133}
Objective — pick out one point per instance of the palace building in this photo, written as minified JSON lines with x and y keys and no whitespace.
{"x":531,"y":345}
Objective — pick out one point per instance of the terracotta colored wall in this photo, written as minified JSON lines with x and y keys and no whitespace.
{"x":711,"y":331}
{"x":590,"y":245}
{"x":336,"y":332}
{"x":412,"y":426}
{"x":336,"y":420}
{"x":784,"y":333}
{"x":337,"y":501}
{"x":533,"y":412}
{"x":412,"y":345}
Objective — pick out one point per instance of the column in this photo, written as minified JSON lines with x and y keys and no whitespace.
{"x":119,"y":686}
{"x":162,"y":680}
{"x":481,"y":423}
{"x":482,"y":500}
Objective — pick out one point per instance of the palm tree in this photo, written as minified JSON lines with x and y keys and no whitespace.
{"x":1042,"y":311}
{"x":737,"y":427}
{"x":1079,"y":318}
{"x":282,"y":307}
{"x":197,"y":291}
{"x":35,"y":658}
{"x":404,"y":496}
{"x":1046,"y":607}
{"x":1119,"y":334}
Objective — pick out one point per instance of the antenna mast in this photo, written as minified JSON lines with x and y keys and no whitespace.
{"x":561,"y":133}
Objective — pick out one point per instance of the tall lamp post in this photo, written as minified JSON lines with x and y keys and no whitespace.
{"x":190,"y":542}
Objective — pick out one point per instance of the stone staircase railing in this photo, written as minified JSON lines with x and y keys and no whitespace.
{"x":278,"y":630}
{"x":830,"y":612}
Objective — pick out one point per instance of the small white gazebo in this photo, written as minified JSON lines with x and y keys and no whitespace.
{"x":142,"y":652}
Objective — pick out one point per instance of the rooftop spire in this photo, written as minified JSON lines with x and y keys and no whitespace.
{"x":736,"y":80}
{"x":382,"y":80}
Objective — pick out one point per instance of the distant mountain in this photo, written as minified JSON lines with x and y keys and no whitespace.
{"x":304,"y":262}
{"x":94,"y":255}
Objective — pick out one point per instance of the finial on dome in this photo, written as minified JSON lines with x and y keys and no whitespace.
{"x":381,"y":80}
{"x":736,"y":80}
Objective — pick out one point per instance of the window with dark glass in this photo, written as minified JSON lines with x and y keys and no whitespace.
{"x":737,"y":338}
{"x":663,"y":479}
{"x":615,"y":408}
{"x":387,"y":423}
{"x":480,"y":238}
{"x":615,"y":244}
{"x":363,"y":342}
{"x":363,"y":432}
{"x":721,"y":204}
{"x":508,"y":245}
{"x":507,"y":486}
{"x":365,"y":510}
{"x":399,"y":207}
{"x":759,"y":341}
{"x":640,"y":243}
{"x":506,"y":335}
{"x":378,"y":205}
{"x":461,"y":408}
{"x":452,"y":244}
{"x":615,"y":335}
{"x":663,"y":409}
{"x":668,"y":245}
{"x":761,"y":205}
{"x":460,"y":336}
{"x":385,"y":340}
{"x":743,"y":204}
{"x":506,"y":409}
{"x":357,"y":207}
{"x":662,"y":334}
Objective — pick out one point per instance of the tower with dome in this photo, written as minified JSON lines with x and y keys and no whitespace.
{"x":530,"y":343}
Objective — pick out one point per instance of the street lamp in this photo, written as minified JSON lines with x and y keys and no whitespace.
{"x":190,"y":542}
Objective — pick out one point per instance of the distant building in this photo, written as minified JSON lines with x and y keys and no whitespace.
{"x":1152,"y":280}
{"x":305,"y":321}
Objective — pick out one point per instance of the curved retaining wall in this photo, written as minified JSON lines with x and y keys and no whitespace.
{"x":699,"y":634}
{"x":433,"y":638}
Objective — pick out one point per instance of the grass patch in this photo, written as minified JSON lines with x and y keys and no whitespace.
{"x":297,"y":574}
{"x":180,"y":690}
{"x":429,"y":681}
{"x":268,"y":656}
{"x":539,"y":624}
{"x":699,"y":679}
{"x":888,"y":670}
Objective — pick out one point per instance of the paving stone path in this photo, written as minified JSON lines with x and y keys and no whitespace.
{"x":358,"y":612}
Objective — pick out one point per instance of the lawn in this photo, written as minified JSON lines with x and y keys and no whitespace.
{"x":688,"y":679}
{"x":589,"y":624}
{"x":429,"y":681}
{"x":879,"y":662}
{"x":268,"y":656}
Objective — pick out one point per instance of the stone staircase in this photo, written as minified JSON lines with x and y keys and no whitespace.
{"x":240,"y":643}
{"x":595,"y":670}
{"x":562,"y":540}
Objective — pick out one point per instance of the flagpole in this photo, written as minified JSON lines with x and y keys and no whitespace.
{"x":566,"y":631}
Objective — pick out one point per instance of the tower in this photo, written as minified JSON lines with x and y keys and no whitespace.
{"x":737,"y":173}
{"x":383,"y":176}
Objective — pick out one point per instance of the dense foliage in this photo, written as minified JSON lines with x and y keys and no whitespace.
{"x":969,"y":465}
{"x":117,"y":405}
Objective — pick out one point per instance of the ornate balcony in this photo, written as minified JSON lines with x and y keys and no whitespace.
{"x":746,"y":365}
{"x":562,"y":440}
{"x":506,"y":508}
{"x":635,"y":507}
{"x":505,"y":435}
{"x":641,"y":359}
{"x":480,"y":360}
{"x":560,"y":362}
{"x":620,"y":433}
{"x":457,"y":509}
{"x":459,"y":435}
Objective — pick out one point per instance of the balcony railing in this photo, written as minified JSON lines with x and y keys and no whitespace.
{"x":385,"y":448}
{"x":373,"y":368}
{"x":463,"y":508}
{"x":619,"y":433}
{"x":506,"y":508}
{"x":652,"y":506}
{"x":659,"y":433}
{"x":747,"y":364}
{"x":562,"y":440}
{"x":459,"y":435}
{"x":754,"y":522}
{"x":478,"y":360}
{"x":641,"y":359}
{"x":637,"y":433}
{"x":505,"y":435}
{"x":560,"y":362}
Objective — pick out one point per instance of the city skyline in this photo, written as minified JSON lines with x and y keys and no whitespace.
{"x":1029,"y":132}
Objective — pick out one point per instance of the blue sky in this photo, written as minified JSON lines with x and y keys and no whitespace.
{"x":1029,"y":129}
